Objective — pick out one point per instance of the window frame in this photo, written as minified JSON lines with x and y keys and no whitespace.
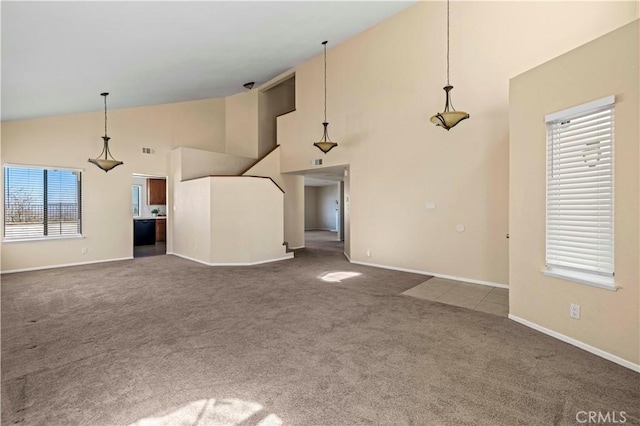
{"x":135,"y":185}
{"x":594,"y":278}
{"x":79,"y":235}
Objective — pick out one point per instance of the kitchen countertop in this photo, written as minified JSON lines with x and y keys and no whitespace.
{"x":149,"y":217}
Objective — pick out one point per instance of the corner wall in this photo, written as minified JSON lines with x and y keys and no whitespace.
{"x":217,"y":222}
{"x":609,"y":319}
{"x":294,"y":196}
{"x":240,"y":232}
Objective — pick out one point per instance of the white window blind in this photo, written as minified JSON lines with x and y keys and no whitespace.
{"x":41,"y":203}
{"x":580,"y":189}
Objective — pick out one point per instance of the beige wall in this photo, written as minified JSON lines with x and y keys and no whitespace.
{"x":217,"y":222}
{"x":293,"y":187}
{"x":609,"y":319}
{"x":311,"y":207}
{"x":385,"y":83}
{"x":347,"y":214}
{"x":173,"y":181}
{"x":189,"y":163}
{"x":327,"y":197}
{"x":247,"y":217}
{"x":199,"y":124}
{"x":274,"y":102}
{"x":241,"y":124}
{"x":198,"y":163}
{"x":294,"y":210}
{"x":192,"y":220}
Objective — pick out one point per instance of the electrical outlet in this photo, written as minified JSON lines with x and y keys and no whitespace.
{"x":84,"y":250}
{"x":368,"y":252}
{"x":574,"y":311}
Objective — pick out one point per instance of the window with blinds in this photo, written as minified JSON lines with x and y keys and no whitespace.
{"x":42,"y":203}
{"x":580,"y":193}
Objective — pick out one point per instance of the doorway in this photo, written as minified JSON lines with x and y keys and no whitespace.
{"x":149,"y":215}
{"x":326,"y":207}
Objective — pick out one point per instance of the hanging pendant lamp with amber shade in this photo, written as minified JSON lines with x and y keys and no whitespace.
{"x":325,"y":145}
{"x":449,"y":117}
{"x":105,"y":160}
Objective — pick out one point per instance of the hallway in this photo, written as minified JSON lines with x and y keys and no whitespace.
{"x":326,"y":241}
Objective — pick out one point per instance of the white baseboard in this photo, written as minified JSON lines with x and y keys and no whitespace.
{"x":65,"y":265}
{"x":577,"y":343}
{"x":296,"y":248}
{"x":434,"y":274}
{"x":347,"y":256}
{"x":287,"y":256}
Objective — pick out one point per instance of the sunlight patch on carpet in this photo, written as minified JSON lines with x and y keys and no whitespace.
{"x":337,"y":277}
{"x":228,"y":412}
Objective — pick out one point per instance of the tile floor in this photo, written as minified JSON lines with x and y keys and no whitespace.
{"x":491,"y":300}
{"x":150,"y":250}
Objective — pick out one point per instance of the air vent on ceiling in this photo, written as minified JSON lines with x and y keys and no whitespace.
{"x":148,"y":150}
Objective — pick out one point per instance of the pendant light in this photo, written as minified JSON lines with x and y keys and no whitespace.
{"x":325,"y":145}
{"x":103,"y":160}
{"x":449,"y":117}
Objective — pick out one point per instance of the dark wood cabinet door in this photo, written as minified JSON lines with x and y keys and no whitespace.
{"x":161,"y":230}
{"x":156,"y":191}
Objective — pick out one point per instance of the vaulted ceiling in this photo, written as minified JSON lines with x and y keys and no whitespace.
{"x":57,"y":57}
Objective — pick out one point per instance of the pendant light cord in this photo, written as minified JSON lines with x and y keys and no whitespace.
{"x":325,"y":80}
{"x":105,"y":115}
{"x":447,"y":42}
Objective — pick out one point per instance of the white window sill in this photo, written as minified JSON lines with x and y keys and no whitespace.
{"x":23,"y":240}
{"x":594,"y":280}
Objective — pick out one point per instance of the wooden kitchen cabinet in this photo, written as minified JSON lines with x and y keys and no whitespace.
{"x":156,"y":191}
{"x":161,"y":230}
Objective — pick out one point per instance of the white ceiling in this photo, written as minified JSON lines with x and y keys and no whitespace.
{"x":57,"y":57}
{"x":325,"y":176}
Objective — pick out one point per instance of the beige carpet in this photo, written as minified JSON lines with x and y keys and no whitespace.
{"x":309,"y":341}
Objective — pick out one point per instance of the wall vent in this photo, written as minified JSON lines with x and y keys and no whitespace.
{"x":316,"y":162}
{"x":148,"y":150}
